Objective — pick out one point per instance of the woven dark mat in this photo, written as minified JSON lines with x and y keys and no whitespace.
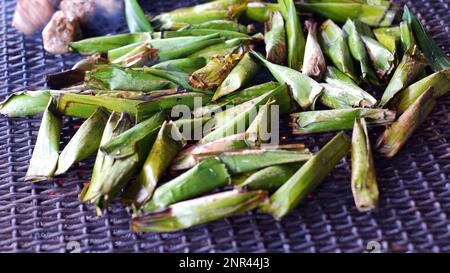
{"x":47,"y":217}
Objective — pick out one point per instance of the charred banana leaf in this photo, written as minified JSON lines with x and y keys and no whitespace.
{"x":364,"y":181}
{"x":275,"y":39}
{"x":412,"y":64}
{"x":215,"y":71}
{"x":167,"y":145}
{"x":314,"y":64}
{"x":395,"y":137}
{"x":439,"y":82}
{"x":116,"y":125}
{"x":239,"y":76}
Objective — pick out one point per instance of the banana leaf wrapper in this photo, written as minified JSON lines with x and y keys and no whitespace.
{"x":211,"y":5}
{"x":242,"y":96}
{"x":248,"y":93}
{"x":406,"y":36}
{"x":215,"y":71}
{"x":124,"y":144}
{"x":89,"y":62}
{"x":175,"y":26}
{"x":270,"y":178}
{"x":411,"y":66}
{"x":113,"y":77}
{"x":83,"y":106}
{"x":187,"y":158}
{"x":307,"y":178}
{"x":342,"y":92}
{"x":237,"y":119}
{"x":233,"y":143}
{"x":170,"y":48}
{"x":192,"y":17}
{"x":167,"y":145}
{"x":137,"y":57}
{"x":197,"y":211}
{"x":275,"y":39}
{"x":438,"y":81}
{"x":259,"y":131}
{"x":116,"y":125}
{"x":389,"y":37}
{"x":339,"y":97}
{"x":190,"y":128}
{"x":282,"y":96}
{"x":186,"y":99}
{"x":364,"y":181}
{"x":260,"y":11}
{"x":437,"y":58}
{"x":314,"y":64}
{"x":358,"y":51}
{"x":226,"y":144}
{"x":382,"y":59}
{"x":295,"y":38}
{"x":203,"y":178}
{"x":135,"y":95}
{"x":223,"y":25}
{"x":126,"y":153}
{"x":395,"y":136}
{"x":373,"y":15}
{"x":181,"y":79}
{"x":208,"y":110}
{"x":333,"y":41}
{"x":44,"y":160}
{"x":226,"y":34}
{"x":186,"y":65}
{"x":336,"y":120}
{"x":385,"y":3}
{"x":25,"y":103}
{"x":238,"y":179}
{"x":304,"y":89}
{"x":249,"y":160}
{"x":85,"y":141}
{"x":103,"y":44}
{"x":239,"y":76}
{"x":222,"y":48}
{"x":135,"y":17}
{"x":214,"y":10}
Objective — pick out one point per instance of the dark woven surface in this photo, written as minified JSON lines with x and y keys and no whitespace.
{"x":415,"y":194}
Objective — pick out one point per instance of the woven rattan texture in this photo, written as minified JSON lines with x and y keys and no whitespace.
{"x":47,"y":217}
